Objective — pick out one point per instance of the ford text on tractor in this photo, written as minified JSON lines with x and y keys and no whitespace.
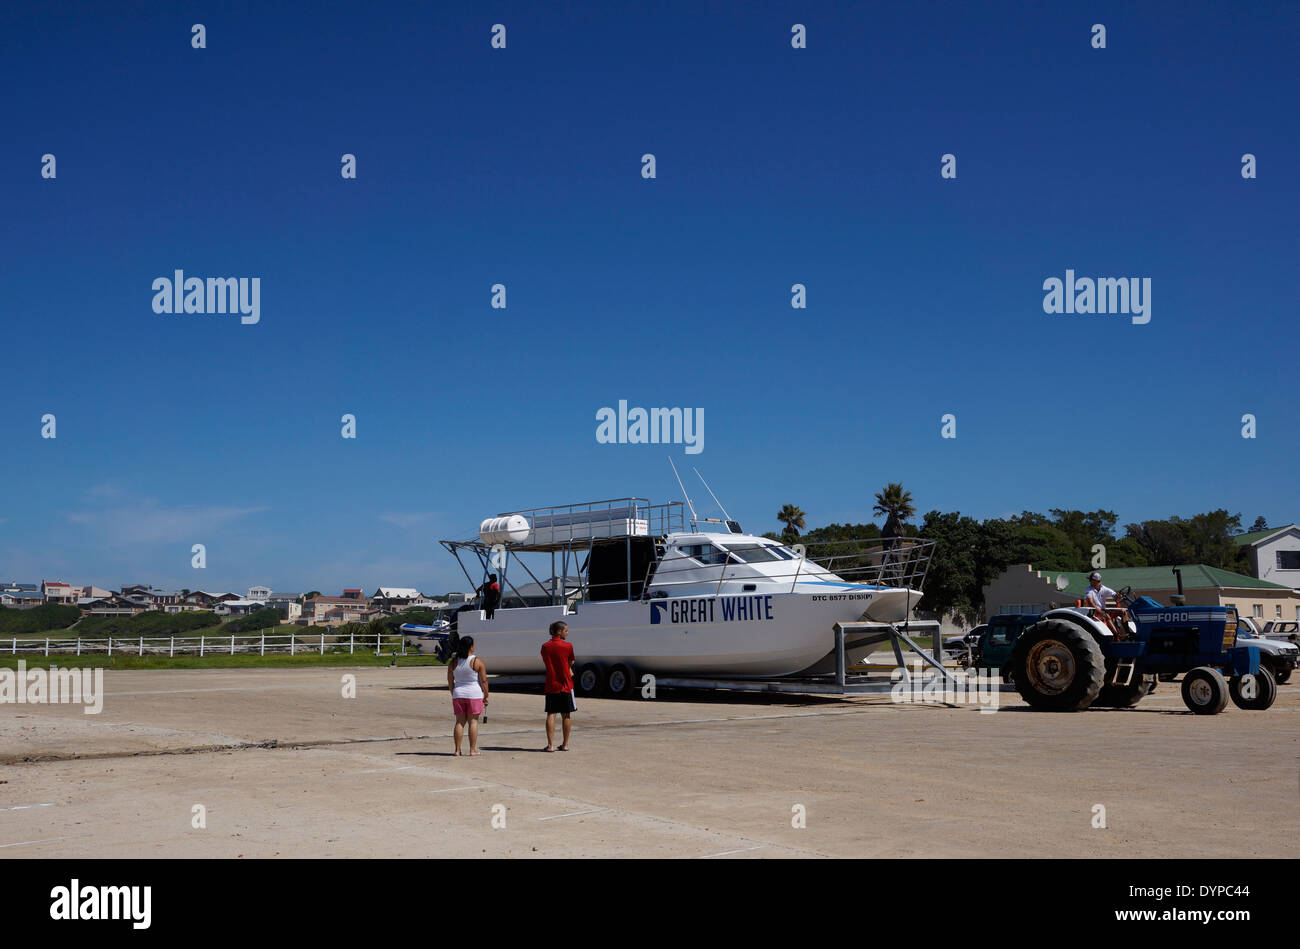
{"x":1077,"y":657}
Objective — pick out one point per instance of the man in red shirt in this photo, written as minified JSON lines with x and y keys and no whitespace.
{"x":491,"y":592}
{"x":557,"y":656}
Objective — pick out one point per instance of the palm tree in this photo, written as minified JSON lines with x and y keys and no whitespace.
{"x":791,"y":515}
{"x":896,"y":505}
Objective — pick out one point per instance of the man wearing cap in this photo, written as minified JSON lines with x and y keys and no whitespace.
{"x":1096,"y":597}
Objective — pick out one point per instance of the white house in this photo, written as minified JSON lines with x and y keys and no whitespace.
{"x":1274,"y":554}
{"x":261,"y":594}
{"x":237,"y":607}
{"x":396,"y":598}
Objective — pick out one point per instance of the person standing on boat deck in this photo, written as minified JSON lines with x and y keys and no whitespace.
{"x":557,"y":656}
{"x":491,"y":592}
{"x":467,"y":680}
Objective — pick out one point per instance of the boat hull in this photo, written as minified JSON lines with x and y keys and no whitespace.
{"x":742,"y":636}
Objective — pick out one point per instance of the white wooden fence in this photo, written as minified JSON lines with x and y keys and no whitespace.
{"x":209,"y":645}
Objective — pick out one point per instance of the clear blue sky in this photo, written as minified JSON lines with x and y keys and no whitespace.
{"x":522,"y":166}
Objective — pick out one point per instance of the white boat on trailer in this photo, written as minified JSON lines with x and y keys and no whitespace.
{"x":645,"y":591}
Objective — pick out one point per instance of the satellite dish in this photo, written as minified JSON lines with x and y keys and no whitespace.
{"x":1062,"y":581}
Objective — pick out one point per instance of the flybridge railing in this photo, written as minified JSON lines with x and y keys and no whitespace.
{"x":901,"y":562}
{"x":231,"y":644}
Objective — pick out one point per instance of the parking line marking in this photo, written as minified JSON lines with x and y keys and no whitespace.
{"x":23,"y":807}
{"x":46,"y":840}
{"x":594,"y":810}
{"x":726,"y":853}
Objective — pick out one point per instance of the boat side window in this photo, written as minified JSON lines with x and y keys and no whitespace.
{"x":705,"y":553}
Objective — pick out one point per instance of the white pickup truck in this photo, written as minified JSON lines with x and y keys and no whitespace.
{"x":1278,"y":655}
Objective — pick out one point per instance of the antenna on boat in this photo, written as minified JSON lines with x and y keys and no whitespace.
{"x":684,"y":494}
{"x":711,"y":494}
{"x":733,"y":526}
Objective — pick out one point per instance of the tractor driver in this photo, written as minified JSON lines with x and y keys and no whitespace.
{"x":1096,"y":597}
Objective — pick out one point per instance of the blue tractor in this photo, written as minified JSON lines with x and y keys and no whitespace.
{"x":1073,"y":658}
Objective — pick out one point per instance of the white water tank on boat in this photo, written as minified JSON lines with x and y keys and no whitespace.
{"x":504,"y":530}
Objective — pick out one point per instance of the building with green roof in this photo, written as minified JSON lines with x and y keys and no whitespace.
{"x":1022,"y":589}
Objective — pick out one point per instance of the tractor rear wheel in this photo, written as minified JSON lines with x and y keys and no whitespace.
{"x":1057,"y":667}
{"x":1254,"y":696}
{"x":1125,"y":696}
{"x":1204,"y":691}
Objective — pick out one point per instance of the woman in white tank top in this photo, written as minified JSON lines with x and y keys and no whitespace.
{"x":467,"y":680}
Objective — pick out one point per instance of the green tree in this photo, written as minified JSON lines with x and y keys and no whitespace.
{"x":1260,"y":524}
{"x":953,"y":584}
{"x":792,"y":516}
{"x":1161,"y":542}
{"x":1203,"y":538}
{"x":1126,"y":552}
{"x":896,"y":506}
{"x":1086,"y":529}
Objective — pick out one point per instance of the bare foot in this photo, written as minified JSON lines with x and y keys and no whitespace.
{"x":473,"y":754}
{"x":456,"y":753}
{"x":548,"y":748}
{"x":564,"y":747}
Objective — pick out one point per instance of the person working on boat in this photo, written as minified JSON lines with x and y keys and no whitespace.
{"x":557,"y":656}
{"x":491,"y":593}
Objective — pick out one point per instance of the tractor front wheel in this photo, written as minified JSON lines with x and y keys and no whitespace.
{"x":1281,"y":673}
{"x":1057,"y":667}
{"x":1204,"y":691}
{"x":1254,"y":693}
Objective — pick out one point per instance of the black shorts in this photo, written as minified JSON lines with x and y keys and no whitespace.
{"x":559,"y":702}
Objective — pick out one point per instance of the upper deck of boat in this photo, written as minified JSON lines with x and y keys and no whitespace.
{"x":578,"y":526}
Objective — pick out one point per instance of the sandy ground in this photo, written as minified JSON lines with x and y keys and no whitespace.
{"x":283,"y":765}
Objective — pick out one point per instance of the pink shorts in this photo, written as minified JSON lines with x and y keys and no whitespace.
{"x":467,"y":706}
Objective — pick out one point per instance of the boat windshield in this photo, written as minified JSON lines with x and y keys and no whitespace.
{"x":756,"y":553}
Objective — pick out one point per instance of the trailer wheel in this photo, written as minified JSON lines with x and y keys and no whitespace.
{"x":590,"y":680}
{"x":622,"y":681}
{"x":1204,"y":691}
{"x":1125,"y":696}
{"x":1057,"y":667}
{"x":1255,"y":695}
